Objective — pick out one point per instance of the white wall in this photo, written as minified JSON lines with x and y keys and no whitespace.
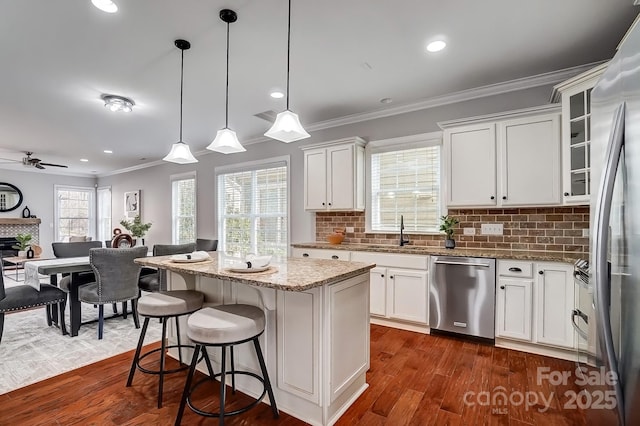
{"x":37,"y":190}
{"x":155,"y":181}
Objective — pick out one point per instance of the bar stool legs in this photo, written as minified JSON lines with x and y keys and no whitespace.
{"x":190,"y":387}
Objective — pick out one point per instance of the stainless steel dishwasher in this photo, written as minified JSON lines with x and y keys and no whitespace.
{"x":462,"y":295}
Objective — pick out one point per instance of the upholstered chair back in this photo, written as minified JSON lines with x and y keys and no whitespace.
{"x":206,"y":245}
{"x":168,"y":249}
{"x":116,"y":273}
{"x":76,"y":249}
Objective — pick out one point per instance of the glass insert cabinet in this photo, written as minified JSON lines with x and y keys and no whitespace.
{"x":575,"y":96}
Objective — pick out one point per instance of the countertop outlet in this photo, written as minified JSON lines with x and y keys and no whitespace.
{"x":491,"y":229}
{"x":349,"y":229}
{"x":469,"y":231}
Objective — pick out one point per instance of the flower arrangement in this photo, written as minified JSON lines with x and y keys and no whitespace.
{"x":447,"y":226}
{"x":136,"y":228}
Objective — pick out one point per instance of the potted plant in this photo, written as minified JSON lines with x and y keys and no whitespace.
{"x":24,"y":242}
{"x":447,"y":226}
{"x":136,"y":228}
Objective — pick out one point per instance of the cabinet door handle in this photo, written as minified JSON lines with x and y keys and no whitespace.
{"x":540,"y":272}
{"x":504,"y":197}
{"x":335,"y":257}
{"x":514,"y":269}
{"x":305,"y":254}
{"x":501,"y":287}
{"x":566,"y":194}
{"x":493,"y":198}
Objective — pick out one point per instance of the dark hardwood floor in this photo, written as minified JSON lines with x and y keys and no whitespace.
{"x":414,"y":379}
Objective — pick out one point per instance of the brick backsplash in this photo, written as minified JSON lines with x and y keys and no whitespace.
{"x":542,"y":228}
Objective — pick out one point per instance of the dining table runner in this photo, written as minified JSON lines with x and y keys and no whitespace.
{"x":31,"y":275}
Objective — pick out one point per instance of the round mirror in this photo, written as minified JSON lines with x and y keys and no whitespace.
{"x":10,"y":197}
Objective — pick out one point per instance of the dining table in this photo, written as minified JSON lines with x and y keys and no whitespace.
{"x":53,"y":267}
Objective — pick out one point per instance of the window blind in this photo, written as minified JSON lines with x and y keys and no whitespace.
{"x":104,"y":214}
{"x":183,"y":195}
{"x":253,"y":210}
{"x":406,"y":182}
{"x":75,"y":212}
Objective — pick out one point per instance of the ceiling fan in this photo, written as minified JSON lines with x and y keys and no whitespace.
{"x":37,"y":163}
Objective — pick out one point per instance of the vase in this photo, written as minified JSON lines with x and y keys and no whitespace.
{"x":450,"y":243}
{"x":22,"y":253}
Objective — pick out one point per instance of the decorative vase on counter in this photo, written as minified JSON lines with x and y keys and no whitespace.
{"x":30,"y":253}
{"x":22,"y":253}
{"x":450,"y":243}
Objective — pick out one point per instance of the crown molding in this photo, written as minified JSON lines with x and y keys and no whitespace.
{"x":518,"y":113}
{"x":594,"y":72}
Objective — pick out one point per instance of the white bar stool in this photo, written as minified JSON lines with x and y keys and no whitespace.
{"x":225,"y":326}
{"x":164,"y":305}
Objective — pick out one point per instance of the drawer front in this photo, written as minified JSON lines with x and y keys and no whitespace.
{"x":321,"y":254}
{"x":514,"y":268}
{"x":392,"y":260}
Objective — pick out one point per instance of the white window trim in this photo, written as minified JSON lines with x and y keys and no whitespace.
{"x":254,"y":165}
{"x":92,"y":208}
{"x":420,"y":140}
{"x":183,"y":176}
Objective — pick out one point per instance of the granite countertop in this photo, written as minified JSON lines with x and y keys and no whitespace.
{"x":288,"y":274}
{"x":549,"y":256}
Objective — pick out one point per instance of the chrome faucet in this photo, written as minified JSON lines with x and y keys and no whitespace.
{"x":402,"y":240}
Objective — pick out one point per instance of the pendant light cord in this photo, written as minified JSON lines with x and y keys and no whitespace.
{"x":288,"y":51}
{"x":181,"y":86}
{"x":226,"y":111}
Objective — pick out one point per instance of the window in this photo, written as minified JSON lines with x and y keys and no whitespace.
{"x":404,"y":176}
{"x":104,"y":213}
{"x":183,"y":202}
{"x":75,"y":212}
{"x":253,"y":208}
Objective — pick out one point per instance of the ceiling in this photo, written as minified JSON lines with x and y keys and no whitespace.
{"x":59,"y":57}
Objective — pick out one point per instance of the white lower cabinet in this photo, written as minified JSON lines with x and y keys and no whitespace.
{"x":407,"y":294}
{"x":513,"y":308}
{"x":534,"y":301}
{"x":378,"y":291}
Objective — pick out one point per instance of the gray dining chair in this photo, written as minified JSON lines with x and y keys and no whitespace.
{"x":153,"y":280}
{"x":206,"y":245}
{"x":21,"y":297}
{"x":117,"y":278}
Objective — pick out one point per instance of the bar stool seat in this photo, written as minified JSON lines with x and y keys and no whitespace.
{"x":225,"y":326}
{"x":164,"y":305}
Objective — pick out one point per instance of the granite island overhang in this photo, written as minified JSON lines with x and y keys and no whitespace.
{"x":316,"y":341}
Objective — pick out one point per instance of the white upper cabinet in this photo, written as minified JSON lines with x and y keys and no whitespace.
{"x":471,"y":171}
{"x":575,"y":96}
{"x":530,"y":163}
{"x":334,"y":175}
{"x":510,"y":159}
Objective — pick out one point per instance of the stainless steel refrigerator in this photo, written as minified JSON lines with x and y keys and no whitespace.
{"x":615,"y":232}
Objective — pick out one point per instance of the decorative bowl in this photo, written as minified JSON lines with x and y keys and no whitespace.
{"x":335,"y":238}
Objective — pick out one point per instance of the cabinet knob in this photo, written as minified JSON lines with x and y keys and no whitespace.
{"x":541,"y":272}
{"x":329,"y":203}
{"x":305,"y":254}
{"x":501,"y":287}
{"x":335,"y":257}
{"x":381,"y":275}
{"x":391,"y":276}
{"x":323,"y":204}
{"x":566,"y":194}
{"x":504,"y":197}
{"x":493,"y":198}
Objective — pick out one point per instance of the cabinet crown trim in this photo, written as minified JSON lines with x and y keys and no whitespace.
{"x":594,"y":72}
{"x":507,"y":115}
{"x":356,"y":140}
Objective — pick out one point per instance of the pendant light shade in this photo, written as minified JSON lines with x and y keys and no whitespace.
{"x":287,"y":127}
{"x":180,"y":152}
{"x":226,"y":140}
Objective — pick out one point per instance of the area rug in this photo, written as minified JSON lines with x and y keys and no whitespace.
{"x":31,"y":351}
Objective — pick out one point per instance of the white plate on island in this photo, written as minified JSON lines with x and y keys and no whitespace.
{"x":190,"y":260}
{"x":248,"y":270}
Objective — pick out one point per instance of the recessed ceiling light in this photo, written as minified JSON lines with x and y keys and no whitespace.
{"x":436,"y":46}
{"x":276,"y":94}
{"x":386,"y":100}
{"x":117,"y":103}
{"x":84,"y":160}
{"x":105,"y":5}
{"x":108,"y":151}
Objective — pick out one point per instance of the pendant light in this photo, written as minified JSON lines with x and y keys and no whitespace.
{"x":226,"y":140}
{"x":180,"y":152}
{"x":287,"y":127}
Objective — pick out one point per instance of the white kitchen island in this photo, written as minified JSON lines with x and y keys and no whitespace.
{"x":316,"y":341}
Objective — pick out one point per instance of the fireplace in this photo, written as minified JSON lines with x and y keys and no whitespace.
{"x":6,"y":247}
